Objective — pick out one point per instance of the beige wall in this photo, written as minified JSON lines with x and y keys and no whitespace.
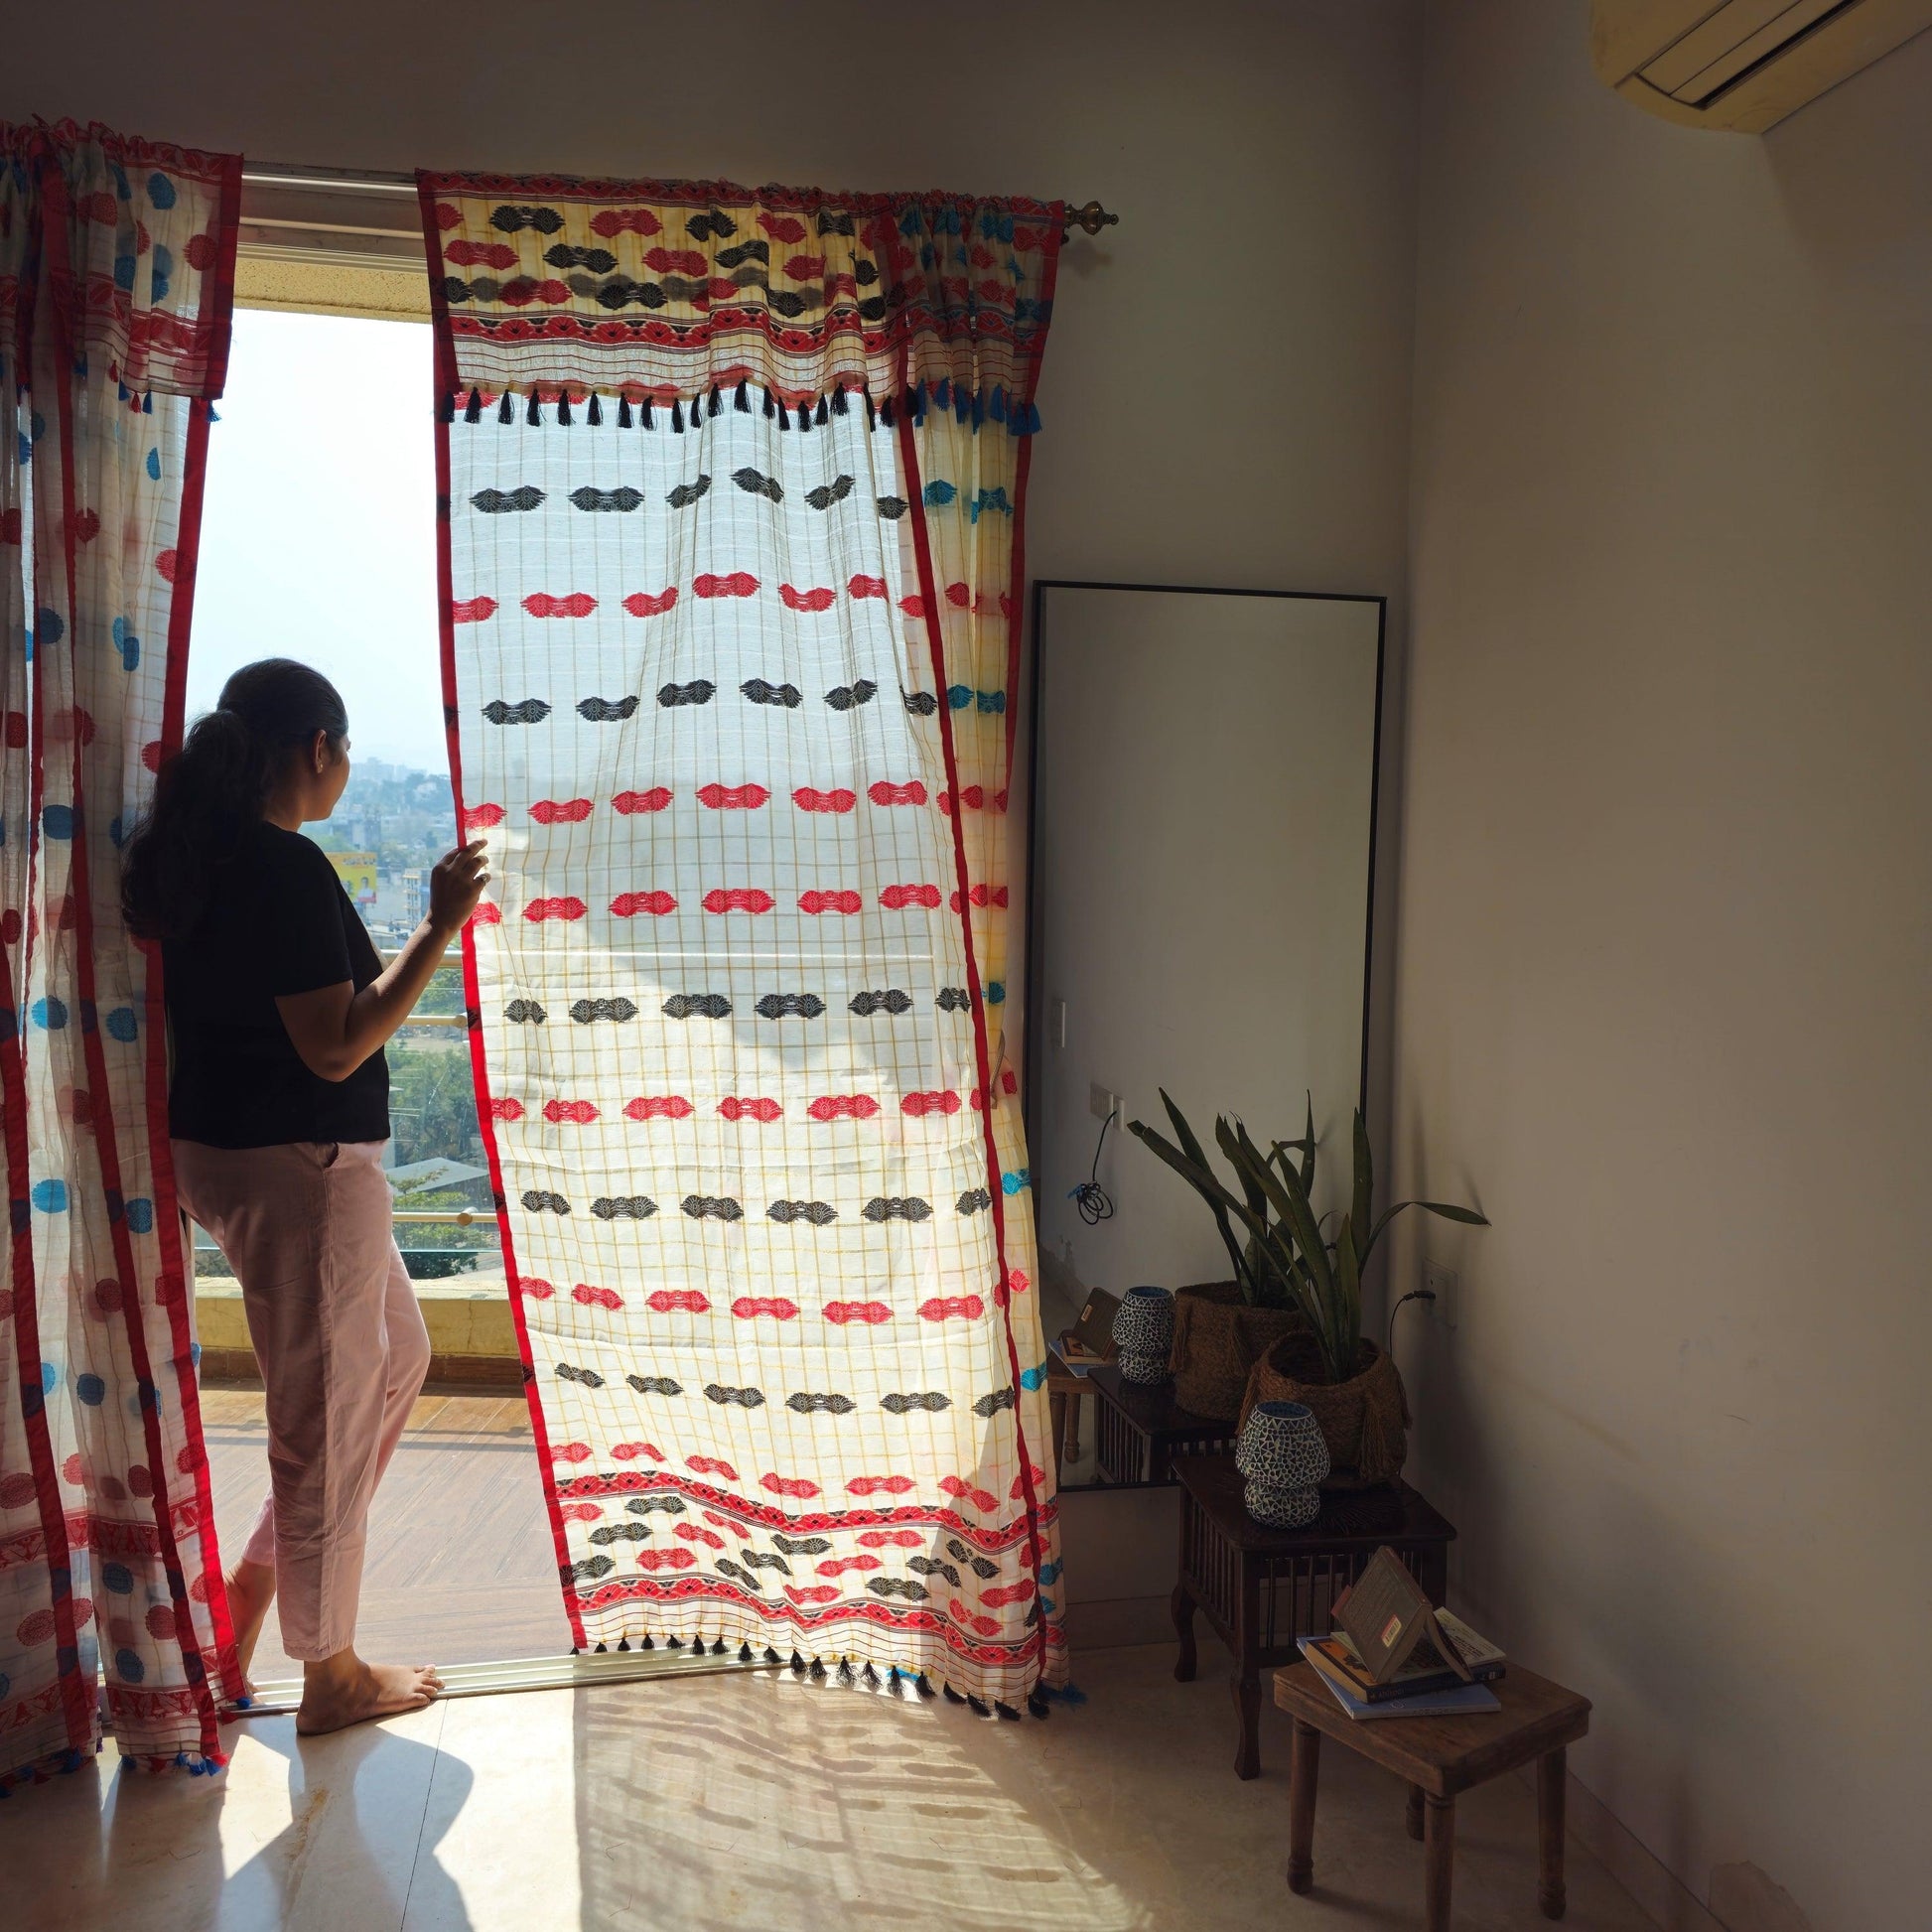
{"x":1665,"y":939}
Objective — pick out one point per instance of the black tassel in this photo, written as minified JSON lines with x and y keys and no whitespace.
{"x":712,"y":410}
{"x":839,"y":404}
{"x":819,"y":1668}
{"x":1037,"y":1706}
{"x":771,"y":1656}
{"x":623,"y":412}
{"x":677,"y":416}
{"x":602,"y":1648}
{"x":673,"y":1643}
{"x":594,"y":414}
{"x":534,"y":416}
{"x":744,"y":1653}
{"x":446,"y":409}
{"x":647,"y":1644}
{"x":785,"y":417}
{"x":871,"y":1676}
{"x":978,"y":1706}
{"x":797,"y":1665}
{"x":563,"y":408}
{"x":1007,"y":1712}
{"x":819,"y":419}
{"x":952,"y":1696}
{"x":770,"y":407}
{"x":921,"y":1685}
{"x":718,"y":1648}
{"x":742,"y":402}
{"x":575,"y":1651}
{"x":845,"y":1671}
{"x":624,"y":1644}
{"x":804,"y":415}
{"x":647,"y":415}
{"x":885,"y":412}
{"x":872,"y":415}
{"x":506,"y":412}
{"x":472,"y":409}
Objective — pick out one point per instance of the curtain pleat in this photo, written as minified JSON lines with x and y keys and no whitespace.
{"x":116,"y":273}
{"x":731,"y":488}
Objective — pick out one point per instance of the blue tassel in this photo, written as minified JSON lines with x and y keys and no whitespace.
{"x":996,"y":408}
{"x":941,"y":394}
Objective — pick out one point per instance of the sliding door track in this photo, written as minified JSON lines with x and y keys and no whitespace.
{"x":279,"y":1697}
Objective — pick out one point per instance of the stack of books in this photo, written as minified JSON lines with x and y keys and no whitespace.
{"x":1393,"y":1655}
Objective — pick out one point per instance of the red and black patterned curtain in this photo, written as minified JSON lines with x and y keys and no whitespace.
{"x":733,"y":489}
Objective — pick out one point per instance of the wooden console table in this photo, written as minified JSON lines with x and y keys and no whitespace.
{"x":1139,"y":1430}
{"x":1438,"y":1757}
{"x":1261,"y":1589}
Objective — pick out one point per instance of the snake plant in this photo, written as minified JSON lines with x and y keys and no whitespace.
{"x":1285,"y":1261}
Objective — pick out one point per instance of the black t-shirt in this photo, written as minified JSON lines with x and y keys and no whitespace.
{"x":279,"y":922}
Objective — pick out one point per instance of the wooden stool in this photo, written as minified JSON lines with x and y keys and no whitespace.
{"x":1261,"y":1589}
{"x":1438,"y":1756}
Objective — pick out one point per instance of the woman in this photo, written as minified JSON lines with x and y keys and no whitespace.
{"x":278,"y":1111}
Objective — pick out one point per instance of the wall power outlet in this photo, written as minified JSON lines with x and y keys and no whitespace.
{"x":1103,"y":1104}
{"x":1442,"y":1283}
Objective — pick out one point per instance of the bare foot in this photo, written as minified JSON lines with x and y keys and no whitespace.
{"x":251,"y":1590}
{"x":344,"y":1691}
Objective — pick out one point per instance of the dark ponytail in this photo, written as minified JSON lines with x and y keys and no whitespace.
{"x":214,"y":788}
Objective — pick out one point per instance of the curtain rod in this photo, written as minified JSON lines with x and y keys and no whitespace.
{"x":1089,"y":217}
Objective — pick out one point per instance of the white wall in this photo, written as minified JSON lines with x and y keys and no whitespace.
{"x":1665,"y":938}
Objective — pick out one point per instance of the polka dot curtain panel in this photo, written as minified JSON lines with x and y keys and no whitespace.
{"x":116,"y":279}
{"x":733,"y":485}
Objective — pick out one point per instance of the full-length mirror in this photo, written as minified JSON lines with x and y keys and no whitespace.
{"x":1202,"y":846}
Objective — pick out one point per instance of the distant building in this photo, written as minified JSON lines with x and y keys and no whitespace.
{"x":415,"y":896}
{"x":356,"y":871}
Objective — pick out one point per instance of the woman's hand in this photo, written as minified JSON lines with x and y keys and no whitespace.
{"x":455,"y":885}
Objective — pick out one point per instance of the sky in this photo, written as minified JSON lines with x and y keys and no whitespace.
{"x":319,"y":534}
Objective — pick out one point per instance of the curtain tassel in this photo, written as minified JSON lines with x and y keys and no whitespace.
{"x":785,"y":412}
{"x":922,"y":1685}
{"x":472,"y":409}
{"x":742,"y":401}
{"x":1037,"y":1706}
{"x":872,"y":415}
{"x":562,"y":409}
{"x":647,"y":1644}
{"x":744,"y":1653}
{"x":446,"y":409}
{"x":594,"y":412}
{"x":624,"y":1644}
{"x":952,"y":1696}
{"x":771,"y":1656}
{"x":817,"y":1670}
{"x":819,"y":419}
{"x":838,"y":403}
{"x":885,"y":412}
{"x":602,"y":1648}
{"x":978,"y":1706}
{"x":770,"y":407}
{"x":797,"y":1665}
{"x":623,"y":412}
{"x":534,"y":418}
{"x":804,"y":415}
{"x":645,"y":417}
{"x":845,"y":1671}
{"x":677,"y":416}
{"x":506,"y":410}
{"x":717,"y":1647}
{"x":1007,"y":1712}
{"x":712,"y":408}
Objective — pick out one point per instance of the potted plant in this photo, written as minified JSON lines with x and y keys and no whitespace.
{"x":1322,"y":1359}
{"x":1221,"y":1329}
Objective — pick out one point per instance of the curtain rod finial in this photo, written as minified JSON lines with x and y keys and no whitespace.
{"x":1091,"y":217}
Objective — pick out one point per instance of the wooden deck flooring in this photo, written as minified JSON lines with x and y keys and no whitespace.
{"x":461,"y":1567}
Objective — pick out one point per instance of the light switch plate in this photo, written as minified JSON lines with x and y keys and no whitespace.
{"x":1442,"y":1283}
{"x":1102,"y":1103}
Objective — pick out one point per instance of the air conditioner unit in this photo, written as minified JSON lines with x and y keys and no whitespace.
{"x":1742,"y":66}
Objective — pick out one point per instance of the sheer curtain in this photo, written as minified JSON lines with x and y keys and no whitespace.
{"x":731,"y":488}
{"x":116,"y":284}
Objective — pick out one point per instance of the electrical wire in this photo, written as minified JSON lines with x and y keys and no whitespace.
{"x":1414,"y":1294}
{"x":1092,"y":1199}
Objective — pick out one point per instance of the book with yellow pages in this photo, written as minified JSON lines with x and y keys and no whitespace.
{"x":1423,"y":1669}
{"x":1460,"y":1700}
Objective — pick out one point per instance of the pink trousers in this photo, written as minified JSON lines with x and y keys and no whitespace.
{"x":343,"y":1349}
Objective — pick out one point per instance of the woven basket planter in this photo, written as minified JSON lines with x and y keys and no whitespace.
{"x":1217,"y":1341}
{"x":1364,"y":1421}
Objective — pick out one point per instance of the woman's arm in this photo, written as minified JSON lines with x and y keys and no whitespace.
{"x":335,"y":1029}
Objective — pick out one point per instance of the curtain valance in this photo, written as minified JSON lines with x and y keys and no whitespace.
{"x":662,"y":291}
{"x":129,"y":243}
